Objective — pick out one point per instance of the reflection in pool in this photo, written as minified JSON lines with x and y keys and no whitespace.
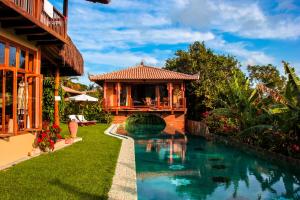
{"x":172,"y":168}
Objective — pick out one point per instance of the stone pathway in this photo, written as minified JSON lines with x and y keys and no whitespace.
{"x":124,"y":181}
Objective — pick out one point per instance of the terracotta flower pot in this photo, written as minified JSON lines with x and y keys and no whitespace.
{"x":73,"y":127}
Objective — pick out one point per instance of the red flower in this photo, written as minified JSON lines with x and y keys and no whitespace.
{"x":205,"y":114}
{"x":296,"y":147}
{"x":39,"y":140}
{"x":55,"y":126}
{"x":58,"y":136}
{"x":44,"y":135}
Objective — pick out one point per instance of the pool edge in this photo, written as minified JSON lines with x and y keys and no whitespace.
{"x":124,"y":180}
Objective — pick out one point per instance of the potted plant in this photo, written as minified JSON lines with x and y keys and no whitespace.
{"x":73,"y":127}
{"x":47,"y":138}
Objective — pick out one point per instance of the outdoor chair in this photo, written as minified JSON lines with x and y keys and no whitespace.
{"x":74,"y":118}
{"x":83,"y":120}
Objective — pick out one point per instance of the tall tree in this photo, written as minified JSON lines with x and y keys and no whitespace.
{"x":214,"y":70}
{"x":266,"y":74}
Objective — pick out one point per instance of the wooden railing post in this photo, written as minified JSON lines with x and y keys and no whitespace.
{"x":38,"y":9}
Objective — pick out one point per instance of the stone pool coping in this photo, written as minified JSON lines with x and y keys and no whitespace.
{"x":37,"y":152}
{"x":124,"y":181}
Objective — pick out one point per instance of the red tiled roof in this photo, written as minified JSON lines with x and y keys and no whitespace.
{"x":143,"y":72}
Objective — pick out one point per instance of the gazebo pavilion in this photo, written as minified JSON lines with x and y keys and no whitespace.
{"x":144,"y":88}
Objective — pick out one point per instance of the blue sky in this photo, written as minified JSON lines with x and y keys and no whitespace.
{"x":125,"y":32}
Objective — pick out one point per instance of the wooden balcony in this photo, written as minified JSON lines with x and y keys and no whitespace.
{"x":27,"y":17}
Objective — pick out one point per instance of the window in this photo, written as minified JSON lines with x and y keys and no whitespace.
{"x":12,"y":56}
{"x":2,"y":51}
{"x":20,"y":90}
{"x":22,"y":59}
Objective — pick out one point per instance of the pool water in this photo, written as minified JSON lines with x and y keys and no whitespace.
{"x":171,"y":168}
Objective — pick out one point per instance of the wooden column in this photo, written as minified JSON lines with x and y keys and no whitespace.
{"x":104,"y":95}
{"x":118,"y":92}
{"x":128,"y":95}
{"x":3,"y":101}
{"x":170,"y":88}
{"x":56,"y":103}
{"x":183,"y":95}
{"x":157,"y":95}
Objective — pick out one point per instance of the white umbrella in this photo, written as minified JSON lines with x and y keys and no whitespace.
{"x":83,"y":97}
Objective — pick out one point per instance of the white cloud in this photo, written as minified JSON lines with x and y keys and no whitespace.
{"x":240,"y":50}
{"x":286,"y":5}
{"x":106,"y":34}
{"x":245,"y":18}
{"x":123,"y":59}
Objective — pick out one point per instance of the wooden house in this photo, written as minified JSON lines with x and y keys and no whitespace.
{"x":33,"y":43}
{"x":144,"y":89}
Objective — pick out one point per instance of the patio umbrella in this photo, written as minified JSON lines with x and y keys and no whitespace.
{"x":83,"y":97}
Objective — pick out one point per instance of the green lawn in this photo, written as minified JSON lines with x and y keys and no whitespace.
{"x":81,"y":171}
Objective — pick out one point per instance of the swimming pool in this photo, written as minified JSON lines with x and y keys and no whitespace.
{"x":170,"y":168}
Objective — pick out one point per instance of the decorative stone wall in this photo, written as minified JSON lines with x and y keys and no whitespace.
{"x":175,"y":122}
{"x":197,"y":128}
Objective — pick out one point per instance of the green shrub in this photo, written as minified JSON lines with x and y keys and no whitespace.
{"x":91,"y":111}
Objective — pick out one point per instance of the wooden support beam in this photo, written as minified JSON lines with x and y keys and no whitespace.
{"x":13,"y":18}
{"x":56,"y":103}
{"x":7,"y":13}
{"x":20,"y":31}
{"x":17,"y":24}
{"x":46,"y":43}
{"x":45,"y":37}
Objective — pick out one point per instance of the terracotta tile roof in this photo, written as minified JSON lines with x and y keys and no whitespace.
{"x":143,"y":72}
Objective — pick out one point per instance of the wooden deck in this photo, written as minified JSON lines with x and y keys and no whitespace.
{"x":27,"y":17}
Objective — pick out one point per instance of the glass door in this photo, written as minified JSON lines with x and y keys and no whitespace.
{"x":33,"y":90}
{"x":6,"y":101}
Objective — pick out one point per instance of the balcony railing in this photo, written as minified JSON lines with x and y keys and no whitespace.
{"x":35,"y":8}
{"x":26,"y":5}
{"x":155,"y":105}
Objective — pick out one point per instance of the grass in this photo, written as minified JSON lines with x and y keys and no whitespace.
{"x":81,"y":171}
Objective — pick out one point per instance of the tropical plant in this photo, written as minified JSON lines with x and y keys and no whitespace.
{"x":266,"y":74}
{"x":48,"y":99}
{"x":214,"y":70}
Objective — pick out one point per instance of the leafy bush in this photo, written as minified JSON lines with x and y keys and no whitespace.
{"x":48,"y":99}
{"x":91,"y":111}
{"x":144,"y":122}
